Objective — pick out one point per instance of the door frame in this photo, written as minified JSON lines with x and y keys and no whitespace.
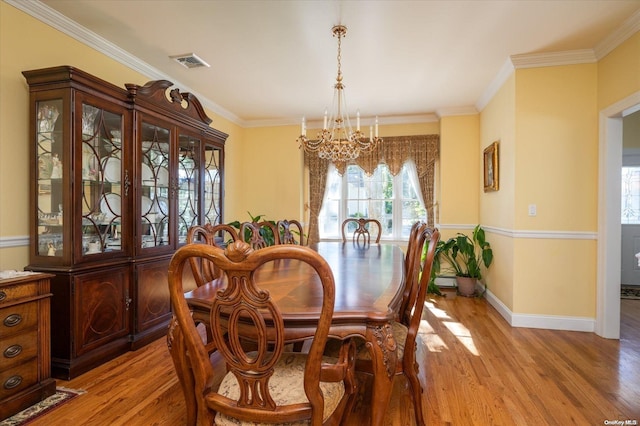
{"x":609,"y":224}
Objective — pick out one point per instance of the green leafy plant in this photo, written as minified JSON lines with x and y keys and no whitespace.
{"x":464,"y":254}
{"x":265,"y":231}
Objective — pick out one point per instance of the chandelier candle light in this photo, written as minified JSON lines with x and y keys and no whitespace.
{"x":339,"y":143}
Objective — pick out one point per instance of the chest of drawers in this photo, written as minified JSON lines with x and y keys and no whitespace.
{"x":25,"y":355}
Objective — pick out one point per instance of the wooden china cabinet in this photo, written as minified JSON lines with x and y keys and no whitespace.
{"x":118,"y":175}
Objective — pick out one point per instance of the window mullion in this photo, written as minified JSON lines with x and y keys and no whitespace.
{"x":397,"y":207}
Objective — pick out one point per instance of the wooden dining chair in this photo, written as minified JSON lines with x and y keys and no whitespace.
{"x":290,"y":232}
{"x":259,"y":234}
{"x":204,"y":271}
{"x":362,"y":230}
{"x":405,"y":329}
{"x":213,"y":235}
{"x":266,"y":385}
{"x":409,"y":261}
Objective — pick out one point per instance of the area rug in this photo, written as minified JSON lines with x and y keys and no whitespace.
{"x":630,"y":292}
{"x":28,"y":415}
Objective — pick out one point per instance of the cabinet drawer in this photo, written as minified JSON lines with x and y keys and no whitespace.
{"x":15,"y":319}
{"x":18,"y":291}
{"x":17,"y":349}
{"x":21,"y":377}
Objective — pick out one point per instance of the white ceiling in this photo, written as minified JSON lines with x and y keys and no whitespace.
{"x":275,"y":61}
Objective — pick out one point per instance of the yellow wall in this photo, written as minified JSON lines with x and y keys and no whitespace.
{"x":556,"y":158}
{"x":619,"y":73}
{"x":554,"y":277}
{"x":546,"y":122}
{"x":459,"y":170}
{"x":497,"y":123}
{"x":273,"y":182}
{"x":272,"y":174}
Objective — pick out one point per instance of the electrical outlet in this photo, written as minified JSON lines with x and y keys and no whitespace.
{"x":533,"y":210}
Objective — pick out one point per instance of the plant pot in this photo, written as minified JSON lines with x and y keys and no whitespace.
{"x":466,"y":286}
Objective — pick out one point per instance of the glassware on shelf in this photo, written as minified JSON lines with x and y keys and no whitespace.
{"x":47,"y":116}
{"x":56,"y":167}
{"x":48,"y":174}
{"x":89,"y":114}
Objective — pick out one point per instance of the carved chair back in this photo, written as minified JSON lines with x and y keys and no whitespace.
{"x":265,"y":385}
{"x":362,"y":231}
{"x":213,"y":235}
{"x":259,"y":234}
{"x":291,"y":232}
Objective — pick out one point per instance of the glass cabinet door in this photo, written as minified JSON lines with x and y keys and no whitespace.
{"x":212,"y":202}
{"x":188,"y":184}
{"x":49,"y":178}
{"x":155,"y":186}
{"x":104,"y":185}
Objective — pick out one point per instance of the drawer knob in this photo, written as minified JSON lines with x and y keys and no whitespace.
{"x":13,"y":382}
{"x":3,"y":296}
{"x":13,"y":320}
{"x":12,"y":351}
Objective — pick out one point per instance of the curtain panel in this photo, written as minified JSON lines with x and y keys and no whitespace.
{"x":424,"y":150}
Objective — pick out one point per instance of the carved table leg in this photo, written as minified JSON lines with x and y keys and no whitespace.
{"x":382,"y":346}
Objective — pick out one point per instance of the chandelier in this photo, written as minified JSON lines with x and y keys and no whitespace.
{"x":339,"y":143}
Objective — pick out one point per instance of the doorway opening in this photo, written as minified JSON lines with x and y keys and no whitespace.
{"x":609,"y":213}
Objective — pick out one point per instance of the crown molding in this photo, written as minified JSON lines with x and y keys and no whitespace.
{"x":317,"y":124}
{"x":51,"y":17}
{"x":449,"y":112}
{"x":533,"y":60}
{"x":616,"y":38}
{"x":609,"y":43}
{"x":408,"y":119}
{"x":498,"y":81}
{"x":551,"y":59}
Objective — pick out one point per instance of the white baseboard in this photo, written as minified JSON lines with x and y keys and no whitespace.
{"x":549,"y":322}
{"x":446,"y":282}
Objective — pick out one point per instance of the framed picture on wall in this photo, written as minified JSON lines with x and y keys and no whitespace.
{"x":491,"y":168}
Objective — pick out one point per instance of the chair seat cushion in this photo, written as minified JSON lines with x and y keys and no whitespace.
{"x":286,"y":387}
{"x":400,"y":336}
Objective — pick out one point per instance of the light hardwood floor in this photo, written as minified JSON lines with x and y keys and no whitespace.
{"x":475,"y":368}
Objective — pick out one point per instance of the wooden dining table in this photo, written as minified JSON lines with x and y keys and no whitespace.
{"x":368,"y":293}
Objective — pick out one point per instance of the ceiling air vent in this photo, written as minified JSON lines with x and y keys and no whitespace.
{"x":190,"y":60}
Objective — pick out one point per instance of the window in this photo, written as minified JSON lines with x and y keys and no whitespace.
{"x":393,"y":200}
{"x":631,"y":195}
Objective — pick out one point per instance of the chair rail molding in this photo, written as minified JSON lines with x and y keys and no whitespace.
{"x":527,"y":233}
{"x":19,"y":241}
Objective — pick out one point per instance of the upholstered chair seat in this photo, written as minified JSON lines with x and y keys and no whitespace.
{"x":286,"y":387}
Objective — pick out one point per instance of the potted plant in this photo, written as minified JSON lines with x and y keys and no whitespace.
{"x":465,"y":255}
{"x":265,"y":231}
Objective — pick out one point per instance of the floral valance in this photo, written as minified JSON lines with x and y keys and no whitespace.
{"x":424,"y":150}
{"x":394,"y":152}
